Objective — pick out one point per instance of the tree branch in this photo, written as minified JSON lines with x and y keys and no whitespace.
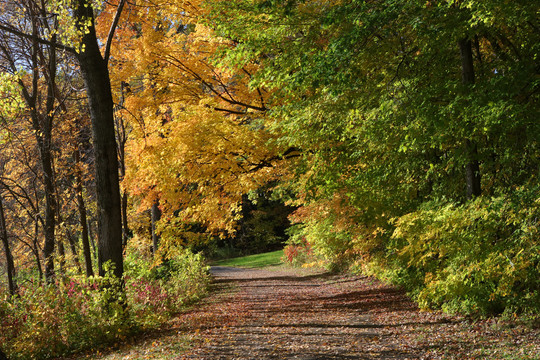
{"x":16,"y":32}
{"x":112,"y":30}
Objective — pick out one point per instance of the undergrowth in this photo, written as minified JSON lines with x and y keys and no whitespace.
{"x":77,"y":313}
{"x":481,"y":258}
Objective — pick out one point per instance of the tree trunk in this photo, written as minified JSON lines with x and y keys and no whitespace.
{"x":85,"y":235}
{"x":121,"y":139}
{"x":73,"y":248}
{"x":126,"y":231}
{"x":96,"y":77}
{"x":50,"y":209}
{"x":83,"y":218}
{"x":42,"y":124}
{"x":36,"y":249}
{"x":156,"y":215}
{"x":472,"y":168}
{"x":62,"y":256}
{"x":71,"y":242}
{"x":10,"y":266}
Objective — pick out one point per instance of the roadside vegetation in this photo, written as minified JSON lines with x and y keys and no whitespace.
{"x":77,"y":314}
{"x":393,"y":138}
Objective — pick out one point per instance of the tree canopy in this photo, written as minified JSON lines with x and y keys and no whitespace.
{"x":403,"y":134}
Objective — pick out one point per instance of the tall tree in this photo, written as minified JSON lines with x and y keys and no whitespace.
{"x":155,"y":217}
{"x":197,"y":141}
{"x":94,"y":68}
{"x":122,"y":133}
{"x":82,"y":215}
{"x":10,"y":266}
{"x":394,"y":103}
{"x":467,"y":78}
{"x":41,"y":63}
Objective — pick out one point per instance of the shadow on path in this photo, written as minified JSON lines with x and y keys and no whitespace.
{"x":284,"y":315}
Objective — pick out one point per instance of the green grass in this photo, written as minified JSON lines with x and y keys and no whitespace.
{"x":253,"y":261}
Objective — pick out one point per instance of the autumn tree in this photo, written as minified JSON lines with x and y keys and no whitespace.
{"x":197,"y":143}
{"x":93,"y":65}
{"x":27,"y":54}
{"x":23,"y":192}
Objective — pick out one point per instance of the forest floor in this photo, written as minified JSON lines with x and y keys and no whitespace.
{"x":278,"y":313}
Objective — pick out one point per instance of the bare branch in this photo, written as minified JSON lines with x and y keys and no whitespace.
{"x":16,"y":32}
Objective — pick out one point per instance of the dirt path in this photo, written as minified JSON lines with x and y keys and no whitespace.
{"x":261,"y":314}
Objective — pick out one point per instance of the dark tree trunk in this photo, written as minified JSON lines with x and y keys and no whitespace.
{"x":121,"y":139}
{"x":50,"y":209}
{"x":62,"y":256}
{"x":156,"y":215}
{"x":74,"y":252}
{"x":472,"y":168}
{"x":42,"y":124}
{"x":36,"y":249}
{"x":83,"y":218}
{"x":10,"y":266}
{"x":96,"y":77}
{"x":473,"y":171}
{"x":71,"y":242}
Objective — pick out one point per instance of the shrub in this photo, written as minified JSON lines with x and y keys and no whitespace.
{"x":154,"y":293}
{"x":297,"y":255}
{"x":46,"y":321}
{"x":479,"y":258}
{"x":79,"y":313}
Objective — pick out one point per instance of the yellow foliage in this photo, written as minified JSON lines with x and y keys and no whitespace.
{"x":197,"y":142}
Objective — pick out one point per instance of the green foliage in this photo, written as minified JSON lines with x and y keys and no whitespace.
{"x":479,"y":258}
{"x":261,"y":227}
{"x":155,"y":293}
{"x":320,"y":240}
{"x":11,"y":103}
{"x":372,"y":94}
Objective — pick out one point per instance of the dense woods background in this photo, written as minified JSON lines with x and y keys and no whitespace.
{"x":397,"y":138}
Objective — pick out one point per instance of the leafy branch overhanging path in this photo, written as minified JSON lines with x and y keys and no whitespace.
{"x":286,"y":315}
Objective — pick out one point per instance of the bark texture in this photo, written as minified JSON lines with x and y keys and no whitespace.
{"x":83,"y":219}
{"x":96,"y":77}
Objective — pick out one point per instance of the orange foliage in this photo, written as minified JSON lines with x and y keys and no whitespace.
{"x":197,"y":141}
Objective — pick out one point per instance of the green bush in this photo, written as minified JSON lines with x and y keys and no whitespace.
{"x":155,"y":293}
{"x":479,"y":258}
{"x":318,"y":242}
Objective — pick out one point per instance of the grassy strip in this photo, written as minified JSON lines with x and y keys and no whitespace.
{"x":253,"y":261}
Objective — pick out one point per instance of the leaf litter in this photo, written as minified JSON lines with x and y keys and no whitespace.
{"x":294,"y":314}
